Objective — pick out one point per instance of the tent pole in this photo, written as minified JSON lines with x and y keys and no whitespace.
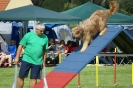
{"x":34,"y":25}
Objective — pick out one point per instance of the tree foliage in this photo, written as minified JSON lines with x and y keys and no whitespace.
{"x":61,"y":5}
{"x":38,"y":2}
{"x":125,"y":6}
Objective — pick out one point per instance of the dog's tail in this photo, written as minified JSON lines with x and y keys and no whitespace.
{"x":113,"y":7}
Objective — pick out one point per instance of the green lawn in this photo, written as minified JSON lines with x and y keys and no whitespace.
{"x":106,"y":77}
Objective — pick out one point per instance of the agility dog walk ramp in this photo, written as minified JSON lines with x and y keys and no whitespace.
{"x":62,"y":74}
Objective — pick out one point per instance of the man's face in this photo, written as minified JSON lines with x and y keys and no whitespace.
{"x":40,"y":31}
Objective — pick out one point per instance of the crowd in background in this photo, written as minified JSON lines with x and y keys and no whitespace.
{"x":56,"y":47}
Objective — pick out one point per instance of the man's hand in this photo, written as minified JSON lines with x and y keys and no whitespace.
{"x":43,"y":64}
{"x":16,"y":60}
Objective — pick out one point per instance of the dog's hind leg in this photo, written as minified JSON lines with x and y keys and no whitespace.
{"x":103,"y":31}
{"x":86,"y":42}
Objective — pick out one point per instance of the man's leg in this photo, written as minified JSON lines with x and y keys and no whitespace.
{"x":24,"y":69}
{"x":20,"y":82}
{"x":35,"y":74}
{"x":32,"y":82}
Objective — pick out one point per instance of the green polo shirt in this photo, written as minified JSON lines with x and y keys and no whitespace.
{"x":34,"y":47}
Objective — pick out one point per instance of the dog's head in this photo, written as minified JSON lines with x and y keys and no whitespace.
{"x":77,"y":33}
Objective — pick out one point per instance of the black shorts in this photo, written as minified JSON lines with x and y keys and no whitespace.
{"x":35,"y":70}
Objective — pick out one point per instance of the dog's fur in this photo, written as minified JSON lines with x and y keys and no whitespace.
{"x":91,"y":26}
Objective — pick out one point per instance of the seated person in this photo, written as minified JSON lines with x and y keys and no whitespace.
{"x":5,"y":56}
{"x":56,"y":41}
{"x":61,"y":50}
{"x":0,"y":50}
{"x":103,"y":60}
{"x":68,"y":47}
{"x":110,"y":48}
{"x":51,"y":46}
{"x":74,"y":45}
{"x":61,"y":47}
{"x":51,"y":51}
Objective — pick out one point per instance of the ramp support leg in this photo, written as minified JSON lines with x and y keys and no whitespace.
{"x":97,"y":63}
{"x":79,"y":80}
{"x":132,"y":73}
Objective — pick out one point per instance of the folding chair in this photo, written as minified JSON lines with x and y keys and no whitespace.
{"x":11,"y":50}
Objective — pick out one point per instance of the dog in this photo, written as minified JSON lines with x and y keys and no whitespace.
{"x":96,"y":23}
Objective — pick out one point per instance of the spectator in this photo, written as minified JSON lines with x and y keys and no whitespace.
{"x":103,"y":60}
{"x":110,"y":48}
{"x":56,"y":42}
{"x":51,"y":51}
{"x":0,"y":50}
{"x":68,"y":47}
{"x":61,"y":50}
{"x":74,"y":45}
{"x":4,"y":56}
{"x":11,"y":49}
{"x":51,"y":45}
{"x":61,"y":47}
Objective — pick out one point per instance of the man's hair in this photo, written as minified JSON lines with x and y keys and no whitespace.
{"x":40,"y":25}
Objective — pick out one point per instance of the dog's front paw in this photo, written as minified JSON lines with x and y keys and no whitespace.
{"x":100,"y":34}
{"x":81,"y":50}
{"x":85,"y":46}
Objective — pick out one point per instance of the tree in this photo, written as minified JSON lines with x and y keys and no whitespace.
{"x":38,"y":2}
{"x":126,"y":6}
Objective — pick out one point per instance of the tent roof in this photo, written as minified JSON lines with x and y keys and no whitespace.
{"x":31,"y":12}
{"x":84,"y":11}
{"x":17,"y":3}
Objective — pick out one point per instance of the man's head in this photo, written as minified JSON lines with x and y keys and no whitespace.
{"x":40,"y":28}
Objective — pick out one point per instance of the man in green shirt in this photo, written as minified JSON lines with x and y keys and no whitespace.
{"x":35,"y":46}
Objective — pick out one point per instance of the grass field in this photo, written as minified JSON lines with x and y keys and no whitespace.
{"x":106,"y":77}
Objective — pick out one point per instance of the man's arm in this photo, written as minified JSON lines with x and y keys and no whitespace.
{"x":18,"y":54}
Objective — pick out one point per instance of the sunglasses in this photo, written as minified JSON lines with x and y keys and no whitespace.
{"x":41,"y":31}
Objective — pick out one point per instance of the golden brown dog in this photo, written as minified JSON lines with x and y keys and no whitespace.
{"x":91,"y":26}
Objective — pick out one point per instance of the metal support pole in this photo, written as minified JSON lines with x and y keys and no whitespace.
{"x":132,"y":73}
{"x":15,"y":77}
{"x":45,"y":81}
{"x":115,"y":69}
{"x":60,"y":57}
{"x":79,"y":80}
{"x":97,"y":63}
